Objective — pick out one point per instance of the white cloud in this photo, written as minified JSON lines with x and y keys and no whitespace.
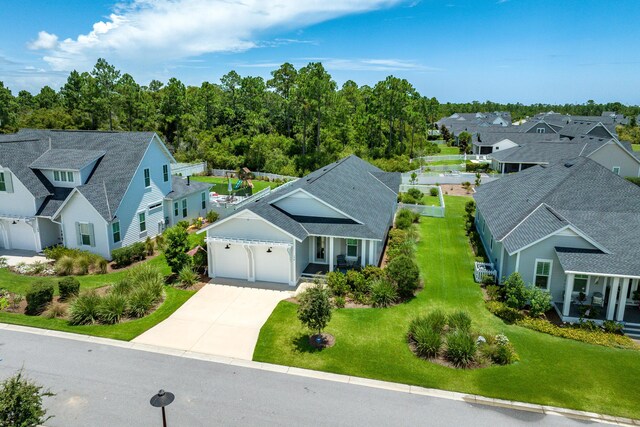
{"x":154,"y":31}
{"x":44,"y":41}
{"x":372,"y":64}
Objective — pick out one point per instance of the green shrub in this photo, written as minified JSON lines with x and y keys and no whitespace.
{"x":405,"y":218}
{"x":212,"y":216}
{"x":339,"y":302}
{"x":160,"y":242}
{"x":461,"y":348}
{"x":183,"y":224}
{"x":55,"y":310}
{"x":102,"y":265}
{"x":337,"y":283}
{"x":383,"y":293}
{"x":138,"y":251}
{"x":504,"y":355}
{"x":433,"y":191}
{"x":459,"y":320}
{"x":149,"y":246}
{"x":147,"y":277}
{"x":68,"y":287}
{"x":612,"y":327}
{"x":39,"y":295}
{"x":426,"y":340}
{"x":540,"y":302}
{"x":84,"y":309}
{"x":112,"y":308}
{"x":82,"y":264}
{"x":64,"y":266}
{"x":415,"y":193}
{"x":404,"y":249}
{"x":123,"y":287}
{"x":371,"y":272}
{"x":515,"y":291}
{"x":122,"y":256}
{"x":314,"y":310}
{"x":494,"y":292}
{"x":58,"y":251}
{"x":508,"y":314}
{"x":404,"y":272}
{"x":357,"y":282}
{"x":140,"y":302}
{"x":488,"y":280}
{"x":176,"y":247}
{"x":21,"y":402}
{"x":187,"y":276}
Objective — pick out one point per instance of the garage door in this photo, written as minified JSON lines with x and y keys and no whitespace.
{"x":232,"y":262}
{"x":22,"y":236}
{"x":272,"y":266}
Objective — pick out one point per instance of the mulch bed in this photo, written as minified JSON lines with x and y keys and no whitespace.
{"x":442,"y":361}
{"x":326,"y":341}
{"x":454,"y":190}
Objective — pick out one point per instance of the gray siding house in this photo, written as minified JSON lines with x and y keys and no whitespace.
{"x":570,"y":228}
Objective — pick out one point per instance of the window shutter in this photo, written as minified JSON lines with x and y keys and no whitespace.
{"x":8,"y":182}
{"x":78,"y":235}
{"x":92,"y":236}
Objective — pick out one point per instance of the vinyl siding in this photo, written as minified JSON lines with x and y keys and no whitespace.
{"x":613,"y":155}
{"x":78,"y":209}
{"x":194,"y":208}
{"x":248,"y":226}
{"x":18,"y":203}
{"x":300,"y":203}
{"x":303,"y":249}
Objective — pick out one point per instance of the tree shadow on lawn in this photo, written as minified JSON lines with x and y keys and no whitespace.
{"x":301,"y":344}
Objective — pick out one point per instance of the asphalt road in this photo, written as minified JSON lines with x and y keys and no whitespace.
{"x":100,"y":385}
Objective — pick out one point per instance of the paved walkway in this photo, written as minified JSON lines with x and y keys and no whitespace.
{"x":16,"y":256}
{"x":220,"y":320}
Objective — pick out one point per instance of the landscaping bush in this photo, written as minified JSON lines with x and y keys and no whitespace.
{"x":598,"y":337}
{"x":112,"y":308}
{"x":212,"y":216}
{"x":433,"y":192}
{"x":84,"y":309}
{"x":38,"y":267}
{"x":427,"y":341}
{"x":461,"y":348}
{"x":64,"y":266}
{"x":540,"y":302}
{"x":337,"y":283}
{"x":183,"y":224}
{"x":515,"y":291}
{"x":82,"y":264}
{"x":383,"y":293}
{"x":122,"y":256}
{"x":3,"y":262}
{"x":494,"y":292}
{"x":415,"y":193}
{"x":149,"y":246}
{"x":140,"y":302}
{"x":176,"y":247}
{"x":371,"y":273}
{"x":21,"y":402}
{"x":405,"y":218}
{"x":56,"y":310}
{"x":504,"y":355}
{"x":506,"y":313}
{"x":339,"y":302}
{"x":102,"y":265}
{"x":147,"y":277}
{"x":314,"y":310}
{"x":357,"y":282}
{"x":138,"y":251}
{"x":123,"y":287}
{"x":404,"y":272}
{"x":68,"y":287}
{"x":460,"y":321}
{"x":187,"y":276}
{"x":612,"y":327}
{"x":39,"y":295}
{"x":58,"y":251}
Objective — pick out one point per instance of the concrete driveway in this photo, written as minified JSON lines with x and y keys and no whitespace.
{"x":219,"y":319}
{"x":17,"y":256}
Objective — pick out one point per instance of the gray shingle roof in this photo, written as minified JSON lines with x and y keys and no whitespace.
{"x":180,"y":188}
{"x":491,"y":136}
{"x":547,"y":152}
{"x":579,"y":192}
{"x":63,"y":158}
{"x":123,"y":153}
{"x":351,"y":185}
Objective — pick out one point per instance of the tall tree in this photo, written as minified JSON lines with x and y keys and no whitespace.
{"x":283,"y":81}
{"x":106,"y":78}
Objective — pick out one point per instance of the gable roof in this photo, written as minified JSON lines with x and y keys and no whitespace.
{"x":182,"y":186}
{"x":64,"y":158}
{"x":492,"y":136}
{"x":123,"y":152}
{"x":579,"y":193}
{"x":352,"y":186}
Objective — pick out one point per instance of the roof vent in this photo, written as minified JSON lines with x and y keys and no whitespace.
{"x":569,"y":163}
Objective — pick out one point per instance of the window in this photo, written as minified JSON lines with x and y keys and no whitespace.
{"x":56,"y":176}
{"x":69,"y":176}
{"x":85,"y":234}
{"x":176,"y":209}
{"x":147,"y":178}
{"x":352,"y":247}
{"x":165,"y":173}
{"x":63,"y":176}
{"x":115,"y":229}
{"x":184,"y":208}
{"x":3,"y":184}
{"x":143,"y":222}
{"x":580,"y":283}
{"x":616,"y":170}
{"x":203,"y":200}
{"x":543,"y":274}
{"x":155,"y":206}
{"x":540,"y":130}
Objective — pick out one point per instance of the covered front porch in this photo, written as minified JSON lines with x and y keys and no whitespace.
{"x":608,"y":297}
{"x":329,"y":253}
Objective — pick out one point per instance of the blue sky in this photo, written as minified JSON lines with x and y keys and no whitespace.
{"x":551,"y":51}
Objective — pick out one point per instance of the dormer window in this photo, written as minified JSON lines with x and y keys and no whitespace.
{"x":540,"y":130}
{"x":62,"y":176}
{"x":3,"y":184}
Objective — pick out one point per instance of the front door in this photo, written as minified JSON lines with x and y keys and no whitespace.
{"x":321,"y":243}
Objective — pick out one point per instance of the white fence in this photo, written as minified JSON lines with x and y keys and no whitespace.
{"x":483,"y":269}
{"x":259,"y":195}
{"x":188,"y":169}
{"x":432,"y":178}
{"x":462,"y":157}
{"x":424,"y":210}
{"x":271,"y":176}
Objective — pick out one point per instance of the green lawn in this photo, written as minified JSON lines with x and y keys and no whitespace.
{"x":636,"y":147}
{"x":17,"y":283}
{"x":371,"y":342}
{"x":220,"y":185}
{"x":444,"y":163}
{"x":448,"y":151}
{"x":429,"y":200}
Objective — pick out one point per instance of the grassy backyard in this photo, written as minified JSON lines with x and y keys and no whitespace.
{"x":220,"y":184}
{"x":448,"y":151}
{"x":636,"y":147}
{"x":372,"y":342}
{"x":127,"y":330}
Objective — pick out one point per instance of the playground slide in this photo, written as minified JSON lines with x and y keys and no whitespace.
{"x":238,"y":184}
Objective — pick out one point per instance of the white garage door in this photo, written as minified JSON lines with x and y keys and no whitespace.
{"x":273,"y":266}
{"x":22,"y":236}
{"x":230,"y":263}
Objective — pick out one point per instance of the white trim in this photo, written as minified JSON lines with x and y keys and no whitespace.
{"x":560,"y":230}
{"x":255,"y":216}
{"x":535,"y":271}
{"x":302,"y":190}
{"x":248,"y":241}
{"x":622,"y":276}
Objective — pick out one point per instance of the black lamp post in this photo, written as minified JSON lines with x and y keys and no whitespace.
{"x":160,"y":400}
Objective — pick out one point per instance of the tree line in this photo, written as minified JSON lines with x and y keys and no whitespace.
{"x":291,"y":123}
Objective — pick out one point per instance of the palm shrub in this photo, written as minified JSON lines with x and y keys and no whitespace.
{"x":383,"y":293}
{"x":68,"y":287}
{"x":404,"y":272}
{"x":112,"y":308}
{"x":123,"y":287}
{"x":314,"y":310}
{"x":540,"y":302}
{"x":38,"y":296}
{"x":426,"y":340}
{"x":84,"y":309}
{"x":460,"y":321}
{"x":146,"y":275}
{"x":187,"y":276}
{"x":461,"y":348}
{"x":64,"y":266}
{"x":82,"y":264}
{"x":21,"y":402}
{"x":140,"y":302}
{"x":436,"y":320}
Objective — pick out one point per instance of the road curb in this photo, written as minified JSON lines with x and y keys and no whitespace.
{"x":329,"y":376}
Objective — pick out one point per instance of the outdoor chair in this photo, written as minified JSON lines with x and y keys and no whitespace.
{"x":342,"y":261}
{"x":597,"y":299}
{"x":357,"y":262}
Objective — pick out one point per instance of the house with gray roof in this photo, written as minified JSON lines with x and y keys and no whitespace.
{"x":609,"y":152}
{"x":334,"y":217}
{"x":569,"y":228}
{"x":90,"y":190}
{"x":493,"y":140}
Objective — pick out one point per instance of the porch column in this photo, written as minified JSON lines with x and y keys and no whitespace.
{"x":568,"y":289}
{"x":292,"y":264}
{"x":211,"y":260}
{"x":250,"y":264}
{"x":330,"y":253}
{"x":613,"y":296}
{"x":363,"y":252}
{"x":372,"y":245}
{"x":519,"y":167}
{"x":623,"y":299}
{"x":634,"y":286}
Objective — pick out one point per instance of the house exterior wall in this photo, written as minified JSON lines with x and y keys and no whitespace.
{"x":63,"y":184}
{"x":20,"y":202}
{"x":138,"y":198}
{"x":303,"y":251}
{"x":194,"y":208}
{"x":249,"y":226}
{"x":613,"y":155}
{"x":546,"y":127}
{"x":503,"y":145}
{"x":79,"y":210}
{"x":50,"y":232}
{"x":600,"y":132}
{"x":86,"y":171}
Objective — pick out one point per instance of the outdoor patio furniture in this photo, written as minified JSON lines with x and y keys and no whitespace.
{"x":342,"y":261}
{"x":597,"y":299}
{"x":356,"y":263}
